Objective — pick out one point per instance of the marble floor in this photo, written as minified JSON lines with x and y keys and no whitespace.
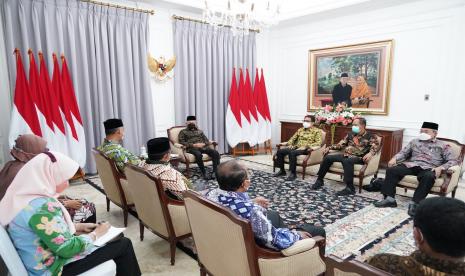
{"x":153,"y":252}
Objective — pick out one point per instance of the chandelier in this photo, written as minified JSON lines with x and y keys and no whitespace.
{"x":241,"y":15}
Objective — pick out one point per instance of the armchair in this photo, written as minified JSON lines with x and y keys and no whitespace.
{"x":449,"y":179}
{"x":226,"y":246}
{"x":361,"y":171}
{"x":338,"y":267}
{"x":185,"y":157}
{"x":314,"y":156}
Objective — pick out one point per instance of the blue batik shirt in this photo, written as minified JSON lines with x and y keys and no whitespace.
{"x":265,"y":233}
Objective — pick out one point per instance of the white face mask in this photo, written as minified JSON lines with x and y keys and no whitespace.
{"x":424,"y":137}
{"x":307,"y":124}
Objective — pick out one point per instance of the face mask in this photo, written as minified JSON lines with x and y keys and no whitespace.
{"x":424,"y":137}
{"x":307,"y":124}
{"x":355,"y":129}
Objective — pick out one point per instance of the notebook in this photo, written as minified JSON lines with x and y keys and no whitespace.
{"x":112,"y":233}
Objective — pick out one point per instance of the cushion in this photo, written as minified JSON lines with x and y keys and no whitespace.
{"x":337,"y":167}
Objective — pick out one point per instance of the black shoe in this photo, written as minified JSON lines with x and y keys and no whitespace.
{"x":318,"y":184}
{"x":412,"y":209}
{"x":345,"y":192}
{"x":385,"y":203}
{"x":279,"y":173}
{"x":291,"y":177}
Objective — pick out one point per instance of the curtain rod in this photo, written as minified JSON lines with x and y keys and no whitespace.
{"x":204,"y":22}
{"x":151,"y":12}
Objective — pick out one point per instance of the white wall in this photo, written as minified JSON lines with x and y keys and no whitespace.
{"x":428,"y":58}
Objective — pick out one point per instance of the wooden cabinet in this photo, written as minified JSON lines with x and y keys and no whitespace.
{"x":392,"y":137}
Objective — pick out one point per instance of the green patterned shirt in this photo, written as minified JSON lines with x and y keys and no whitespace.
{"x":306,"y":137}
{"x":118,"y":153}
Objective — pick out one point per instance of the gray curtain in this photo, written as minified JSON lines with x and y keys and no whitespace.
{"x":106,"y":51}
{"x":206,"y":57}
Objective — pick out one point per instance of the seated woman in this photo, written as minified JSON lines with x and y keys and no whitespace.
{"x":267,"y":226}
{"x":158,"y":165}
{"x":361,"y":94}
{"x":26,"y":147}
{"x":42,"y":230}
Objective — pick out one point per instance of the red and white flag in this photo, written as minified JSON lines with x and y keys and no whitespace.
{"x":58,"y":142}
{"x":261,"y":110}
{"x":63,"y":87}
{"x":245,"y":113}
{"x":233,"y":115}
{"x":253,"y":134}
{"x":24,"y":118}
{"x":41,"y":102}
{"x":266,"y":105}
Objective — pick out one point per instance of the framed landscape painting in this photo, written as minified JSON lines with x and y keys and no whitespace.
{"x":367,"y":68}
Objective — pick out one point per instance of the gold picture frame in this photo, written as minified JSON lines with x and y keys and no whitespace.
{"x":368,"y":66}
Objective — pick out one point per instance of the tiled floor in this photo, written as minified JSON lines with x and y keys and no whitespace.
{"x":153,"y":252}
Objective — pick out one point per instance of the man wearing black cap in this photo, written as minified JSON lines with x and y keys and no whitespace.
{"x":425,"y":157}
{"x":112,"y":147}
{"x":158,"y":165}
{"x":197,"y":143}
{"x":342,"y":91}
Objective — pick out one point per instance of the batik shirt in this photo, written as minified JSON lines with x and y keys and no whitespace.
{"x":418,"y":263}
{"x":118,"y":153}
{"x":306,"y":137}
{"x":265,"y":233}
{"x":42,"y":238}
{"x":427,"y":154}
{"x":358,"y":144}
{"x":172,"y":180}
{"x":188,"y":137}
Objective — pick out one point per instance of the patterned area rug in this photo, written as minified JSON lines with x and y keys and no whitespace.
{"x":355,"y":228}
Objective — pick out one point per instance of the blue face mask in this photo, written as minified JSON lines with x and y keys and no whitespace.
{"x":355,"y":129}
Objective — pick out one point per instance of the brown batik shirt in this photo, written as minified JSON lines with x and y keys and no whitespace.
{"x":418,"y":263}
{"x":358,"y":144}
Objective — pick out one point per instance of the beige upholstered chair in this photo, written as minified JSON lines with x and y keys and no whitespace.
{"x":361,"y":171}
{"x":164,"y":216}
{"x":449,"y":179}
{"x":338,"y":267}
{"x":114,"y":184}
{"x":177,"y":148}
{"x":225,"y":245}
{"x":314,"y":156}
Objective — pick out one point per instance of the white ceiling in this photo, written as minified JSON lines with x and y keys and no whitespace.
{"x":289,"y":8}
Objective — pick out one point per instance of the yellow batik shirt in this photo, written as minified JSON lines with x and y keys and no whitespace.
{"x":306,"y":137}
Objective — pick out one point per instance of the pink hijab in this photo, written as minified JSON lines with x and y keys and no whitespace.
{"x":45,"y":175}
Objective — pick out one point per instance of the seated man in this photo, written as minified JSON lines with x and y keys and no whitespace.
{"x":267,"y":226}
{"x":112,"y":147}
{"x":359,"y":146}
{"x":438,"y":231}
{"x":158,"y":165}
{"x":299,"y":144}
{"x":424,"y":157}
{"x":197,"y":143}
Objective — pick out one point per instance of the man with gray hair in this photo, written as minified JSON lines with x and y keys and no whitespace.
{"x":268,"y":228}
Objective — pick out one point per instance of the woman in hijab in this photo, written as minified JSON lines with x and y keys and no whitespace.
{"x":42,"y":230}
{"x":26,"y":147}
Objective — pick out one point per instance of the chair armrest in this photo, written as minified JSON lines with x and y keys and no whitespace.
{"x":213,"y":142}
{"x":299,"y":247}
{"x":177,"y":145}
{"x":451,"y":177}
{"x":283,"y":144}
{"x":315,"y":155}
